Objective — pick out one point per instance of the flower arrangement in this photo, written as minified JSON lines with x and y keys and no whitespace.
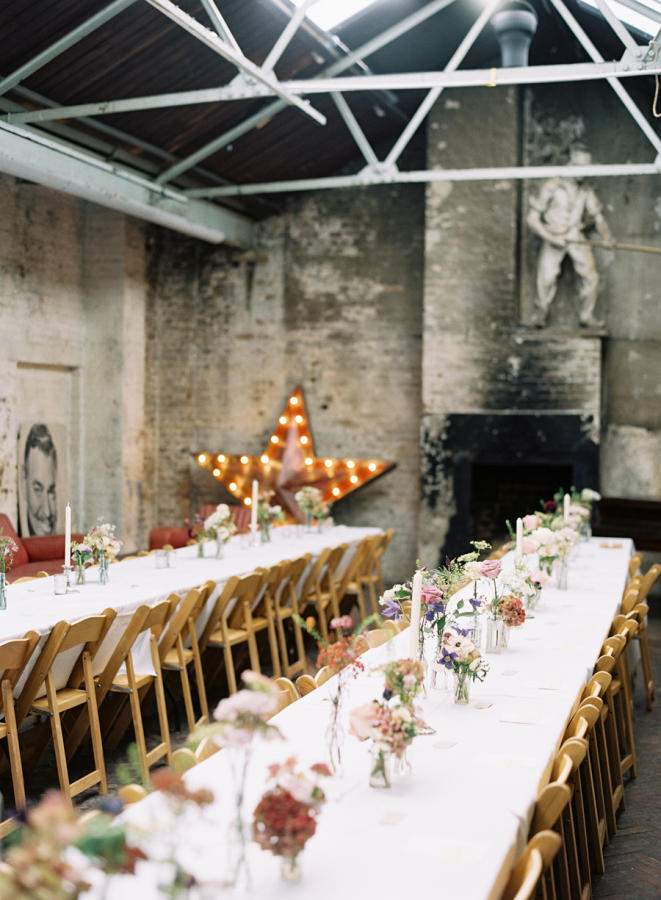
{"x":462,"y":657}
{"x":308,"y":498}
{"x":512,"y":611}
{"x":391,"y":728}
{"x":268,"y":514}
{"x":7,"y":549}
{"x":286,"y":816}
{"x":102,"y":541}
{"x":219,"y":526}
{"x":242,"y":716}
{"x":343,"y":625}
{"x":321,"y":511}
{"x":81,"y":553}
{"x":403,"y":679}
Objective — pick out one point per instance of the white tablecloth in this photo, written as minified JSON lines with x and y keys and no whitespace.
{"x":33,"y":605}
{"x":455,"y":825}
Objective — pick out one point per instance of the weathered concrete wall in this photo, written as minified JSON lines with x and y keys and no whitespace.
{"x":331,"y":300}
{"x":72,"y":288}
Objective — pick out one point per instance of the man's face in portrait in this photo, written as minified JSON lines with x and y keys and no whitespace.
{"x":40,"y":477}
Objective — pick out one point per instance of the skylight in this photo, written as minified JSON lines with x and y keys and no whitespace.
{"x":635,"y":13}
{"x":328,"y":14}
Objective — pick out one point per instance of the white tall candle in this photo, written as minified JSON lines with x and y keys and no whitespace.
{"x":67,"y":535}
{"x":519,"y":538}
{"x":253,"y":507}
{"x":565,"y":508}
{"x":416,"y":600}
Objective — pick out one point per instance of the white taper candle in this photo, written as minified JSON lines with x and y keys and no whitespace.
{"x":253,"y":507}
{"x":67,"y":535}
{"x":565,"y":508}
{"x":416,"y":601}
{"x":519,"y":539}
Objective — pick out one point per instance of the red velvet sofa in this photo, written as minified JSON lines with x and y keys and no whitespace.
{"x":35,"y":554}
{"x":179,"y":537}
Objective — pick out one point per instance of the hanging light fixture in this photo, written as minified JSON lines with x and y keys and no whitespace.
{"x":515,"y":25}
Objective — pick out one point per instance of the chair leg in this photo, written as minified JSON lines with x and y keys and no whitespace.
{"x":199,"y":675}
{"x":185,"y":686}
{"x":252,"y":643}
{"x":58,"y":738}
{"x":298,"y":639}
{"x":95,"y":727}
{"x":164,"y":749}
{"x":273,"y":644}
{"x":646,"y":664}
{"x":13,"y":746}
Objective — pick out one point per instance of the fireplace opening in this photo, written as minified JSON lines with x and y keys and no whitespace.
{"x":501,"y":492}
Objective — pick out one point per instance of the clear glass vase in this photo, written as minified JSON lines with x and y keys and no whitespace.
{"x":265,"y":533}
{"x":380,"y":765}
{"x":80,"y":573}
{"x":561,"y":574}
{"x":586,"y":530}
{"x":103,"y":568}
{"x":290,"y":868}
{"x":308,"y":521}
{"x":335,"y":730}
{"x":237,"y":872}
{"x":493,"y":643}
{"x":3,"y":589}
{"x":200,"y":549}
{"x":476,"y":630}
{"x":438,"y":675}
{"x":220,"y":549}
{"x":504,"y":636}
{"x":462,"y":683}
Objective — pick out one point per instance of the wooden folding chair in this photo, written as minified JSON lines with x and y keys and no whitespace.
{"x":240,"y":613}
{"x":634,"y":563}
{"x":348,"y":581}
{"x":305,"y":684}
{"x":607,"y":661}
{"x":14,"y":656}
{"x":318,"y":589}
{"x":623,"y":697}
{"x":600,"y":686}
{"x":287,"y":693}
{"x":377,"y":636}
{"x":280,"y":585}
{"x":572,"y":872}
{"x":533,"y":862}
{"x":176,"y":656}
{"x":371,"y":574}
{"x":87,"y":634}
{"x":549,"y":808}
{"x":581,"y":725}
{"x":137,"y":685}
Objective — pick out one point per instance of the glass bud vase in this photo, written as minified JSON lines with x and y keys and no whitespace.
{"x":438,"y":674}
{"x":379,"y":768}
{"x":308,"y":521}
{"x":504,"y":636}
{"x":561,"y":575}
{"x":80,"y":573}
{"x":200,"y":549}
{"x":219,"y":549}
{"x":493,"y":635}
{"x":290,"y":869}
{"x":103,"y":568}
{"x":586,"y":530}
{"x":462,"y":684}
{"x":3,"y":590}
{"x":265,"y":533}
{"x":476,"y":630}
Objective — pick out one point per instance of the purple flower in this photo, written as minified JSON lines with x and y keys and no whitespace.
{"x":433,"y":610}
{"x":391,"y":609}
{"x":446,"y":658}
{"x":475,"y":602}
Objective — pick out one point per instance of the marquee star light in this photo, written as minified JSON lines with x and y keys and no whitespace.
{"x":289,"y":463}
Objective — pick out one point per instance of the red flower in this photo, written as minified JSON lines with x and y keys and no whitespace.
{"x":550,"y":506}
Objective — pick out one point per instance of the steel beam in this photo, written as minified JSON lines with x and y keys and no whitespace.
{"x":272,"y":109}
{"x":642,"y":10}
{"x":44,"y":161}
{"x":455,"y":61}
{"x":356,"y":131}
{"x":290,"y":30}
{"x":616,"y":24}
{"x":219,"y":23}
{"x":621,"y":92}
{"x":398,"y":81}
{"x":66,"y":41}
{"x":228,"y":52}
{"x":368,"y":177}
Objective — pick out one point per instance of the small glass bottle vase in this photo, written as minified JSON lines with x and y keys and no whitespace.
{"x":380,"y":776}
{"x":3,"y":590}
{"x":290,"y":868}
{"x":462,"y":683}
{"x":80,"y":573}
{"x":493,"y":641}
{"x":561,"y":574}
{"x":265,"y":532}
{"x":200,"y":549}
{"x":220,"y":550}
{"x":103,"y":567}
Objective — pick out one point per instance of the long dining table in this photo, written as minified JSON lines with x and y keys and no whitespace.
{"x":455,"y":824}
{"x":32,"y":605}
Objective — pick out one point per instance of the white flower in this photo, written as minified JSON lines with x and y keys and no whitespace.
{"x":589,"y":494}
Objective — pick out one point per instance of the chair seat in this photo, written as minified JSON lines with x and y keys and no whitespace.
{"x":121,"y":682}
{"x":171,"y":660}
{"x":67,"y":698}
{"x":236,"y":635}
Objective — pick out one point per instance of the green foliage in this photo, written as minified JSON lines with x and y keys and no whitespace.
{"x":130,"y":771}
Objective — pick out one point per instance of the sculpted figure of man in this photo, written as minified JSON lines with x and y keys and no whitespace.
{"x":565,"y":211}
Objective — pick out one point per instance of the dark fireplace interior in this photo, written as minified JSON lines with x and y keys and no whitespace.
{"x":501,"y":492}
{"x":501,"y":466}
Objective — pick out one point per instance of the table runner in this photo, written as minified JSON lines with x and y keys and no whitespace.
{"x":455,"y":825}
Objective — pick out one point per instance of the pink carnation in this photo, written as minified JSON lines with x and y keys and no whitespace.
{"x":490,"y":568}
{"x":531,"y":522}
{"x":431,"y":594}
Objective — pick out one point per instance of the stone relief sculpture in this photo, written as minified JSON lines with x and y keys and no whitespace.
{"x":563,"y":214}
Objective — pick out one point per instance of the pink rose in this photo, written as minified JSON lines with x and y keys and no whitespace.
{"x":431,"y":594}
{"x":531,"y":522}
{"x":528,"y":545}
{"x":490,"y":568}
{"x":363,"y":720}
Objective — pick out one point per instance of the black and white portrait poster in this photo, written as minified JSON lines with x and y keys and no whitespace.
{"x":43,"y":478}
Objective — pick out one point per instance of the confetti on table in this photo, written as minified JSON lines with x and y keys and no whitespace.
{"x":482,"y":705}
{"x":444,"y":745}
{"x":392,"y":818}
{"x":509,"y":672}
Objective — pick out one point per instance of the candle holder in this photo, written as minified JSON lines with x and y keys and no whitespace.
{"x":255,"y":538}
{"x":67,"y":572}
